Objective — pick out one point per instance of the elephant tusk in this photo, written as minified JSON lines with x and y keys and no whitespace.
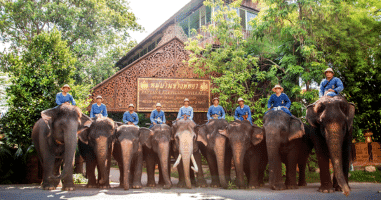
{"x":177,"y":161}
{"x":195,"y":168}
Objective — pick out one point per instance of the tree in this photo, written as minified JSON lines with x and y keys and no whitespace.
{"x":36,"y":76}
{"x":93,"y":29}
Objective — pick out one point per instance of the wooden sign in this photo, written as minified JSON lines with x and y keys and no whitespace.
{"x":362,"y":154}
{"x":376,"y":151}
{"x":171,"y":92}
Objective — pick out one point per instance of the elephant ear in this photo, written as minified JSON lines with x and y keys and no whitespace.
{"x":83,"y":135}
{"x":296,"y":129}
{"x":49,"y":116}
{"x":257,"y":135}
{"x":201,"y":134}
{"x":351,"y":115}
{"x":86,"y":121}
{"x":224,"y":132}
{"x":145,"y":136}
{"x":312,"y":115}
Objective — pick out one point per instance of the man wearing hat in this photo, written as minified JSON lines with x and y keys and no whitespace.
{"x":331,"y":85}
{"x":185,"y":112}
{"x":98,"y":109}
{"x":215,"y":111}
{"x":64,"y":96}
{"x":279,"y":100}
{"x":242,"y":112}
{"x":157,"y":116}
{"x":130,"y":117}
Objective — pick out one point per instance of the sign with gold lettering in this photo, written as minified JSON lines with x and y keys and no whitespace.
{"x":171,"y":92}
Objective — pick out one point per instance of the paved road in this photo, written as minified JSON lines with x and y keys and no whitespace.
{"x":24,"y":192}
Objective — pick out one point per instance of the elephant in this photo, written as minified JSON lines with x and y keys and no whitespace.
{"x":249,"y":149}
{"x":95,"y":146}
{"x":283,"y":134}
{"x":128,"y":153}
{"x":215,"y":148}
{"x":55,"y":139}
{"x":331,"y":119}
{"x":186,"y":150}
{"x":156,"y":148}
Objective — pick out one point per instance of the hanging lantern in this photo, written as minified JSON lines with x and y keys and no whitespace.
{"x":368,"y":137}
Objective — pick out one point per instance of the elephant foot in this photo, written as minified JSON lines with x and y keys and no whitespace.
{"x":48,"y":187}
{"x":215,"y":184}
{"x":151,"y":184}
{"x":302,"y":184}
{"x":167,"y":186}
{"x":92,"y":186}
{"x":292,"y":187}
{"x":68,"y":188}
{"x":181,"y":184}
{"x":104,"y":186}
{"x":202,"y":183}
{"x":326,"y":189}
{"x":137,"y":185}
{"x":278,"y":186}
{"x":254,"y":185}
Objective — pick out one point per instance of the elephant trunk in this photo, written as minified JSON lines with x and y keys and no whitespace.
{"x":220,"y":156}
{"x":101,"y":152}
{"x":335,"y":143}
{"x":238,"y":156}
{"x":70,"y":142}
{"x":186,"y":156}
{"x":127,"y":147}
{"x":164,"y":158}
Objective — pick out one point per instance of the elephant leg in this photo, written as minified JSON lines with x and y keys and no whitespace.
{"x":121,"y":175}
{"x":212,"y":163}
{"x":91,"y":164}
{"x":325,"y":177}
{"x":302,"y":163}
{"x":275,"y":167}
{"x":150,"y":163}
{"x":291,"y":163}
{"x":48,"y":165}
{"x":201,"y":182}
{"x":57,"y":169}
{"x":192,"y":176}
{"x":180,"y":169}
{"x":137,"y":182}
{"x":228,"y":164}
{"x":254,"y":163}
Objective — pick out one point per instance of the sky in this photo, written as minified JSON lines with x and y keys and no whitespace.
{"x":153,"y":13}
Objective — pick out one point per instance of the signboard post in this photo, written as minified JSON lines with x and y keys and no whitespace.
{"x":171,"y":92}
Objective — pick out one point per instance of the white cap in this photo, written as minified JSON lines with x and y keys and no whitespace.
{"x":277,"y":86}
{"x":240,"y":99}
{"x":328,"y":70}
{"x":158,"y":104}
{"x":186,"y":99}
{"x":99,"y":97}
{"x":131,"y":105}
{"x":66,"y":85}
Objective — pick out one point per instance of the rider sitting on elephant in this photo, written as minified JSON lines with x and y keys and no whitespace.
{"x":242,"y":112}
{"x":130,"y":117}
{"x":98,"y":109}
{"x":64,"y":96}
{"x":330,"y":86}
{"x":185,"y":112}
{"x":216,"y":111}
{"x":279,"y":100}
{"x":157,"y":116}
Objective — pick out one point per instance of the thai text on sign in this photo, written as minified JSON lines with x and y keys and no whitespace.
{"x":171,"y":94}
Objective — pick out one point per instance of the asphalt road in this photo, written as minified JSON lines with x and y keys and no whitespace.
{"x":24,"y":192}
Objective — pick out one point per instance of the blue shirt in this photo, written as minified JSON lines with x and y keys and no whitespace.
{"x":60,"y":98}
{"x":239,"y":112}
{"x":185,"y":111}
{"x":213,"y":110}
{"x":128,"y":117}
{"x":95,"y":109}
{"x":157,"y":117}
{"x":335,"y":84}
{"x":276,"y":101}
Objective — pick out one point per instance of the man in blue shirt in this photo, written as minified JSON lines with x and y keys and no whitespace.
{"x":157,"y":116}
{"x":130,"y":117}
{"x":64,"y":96}
{"x":98,"y":109}
{"x":331,"y":86}
{"x":279,"y":100}
{"x":185,"y":112}
{"x":242,"y":112}
{"x":215,"y":111}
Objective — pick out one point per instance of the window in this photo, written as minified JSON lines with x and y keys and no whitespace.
{"x":194,"y":20}
{"x":184,"y":24}
{"x":242,"y":14}
{"x":208,"y":14}
{"x":250,"y":16}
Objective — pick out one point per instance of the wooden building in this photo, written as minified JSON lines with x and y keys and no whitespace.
{"x":161,"y":55}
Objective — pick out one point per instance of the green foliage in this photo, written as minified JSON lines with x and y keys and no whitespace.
{"x":79,"y":179}
{"x":36,"y":77}
{"x":81,"y":95}
{"x":363,"y":176}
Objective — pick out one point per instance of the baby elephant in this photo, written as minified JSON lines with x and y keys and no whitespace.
{"x":128,"y":153}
